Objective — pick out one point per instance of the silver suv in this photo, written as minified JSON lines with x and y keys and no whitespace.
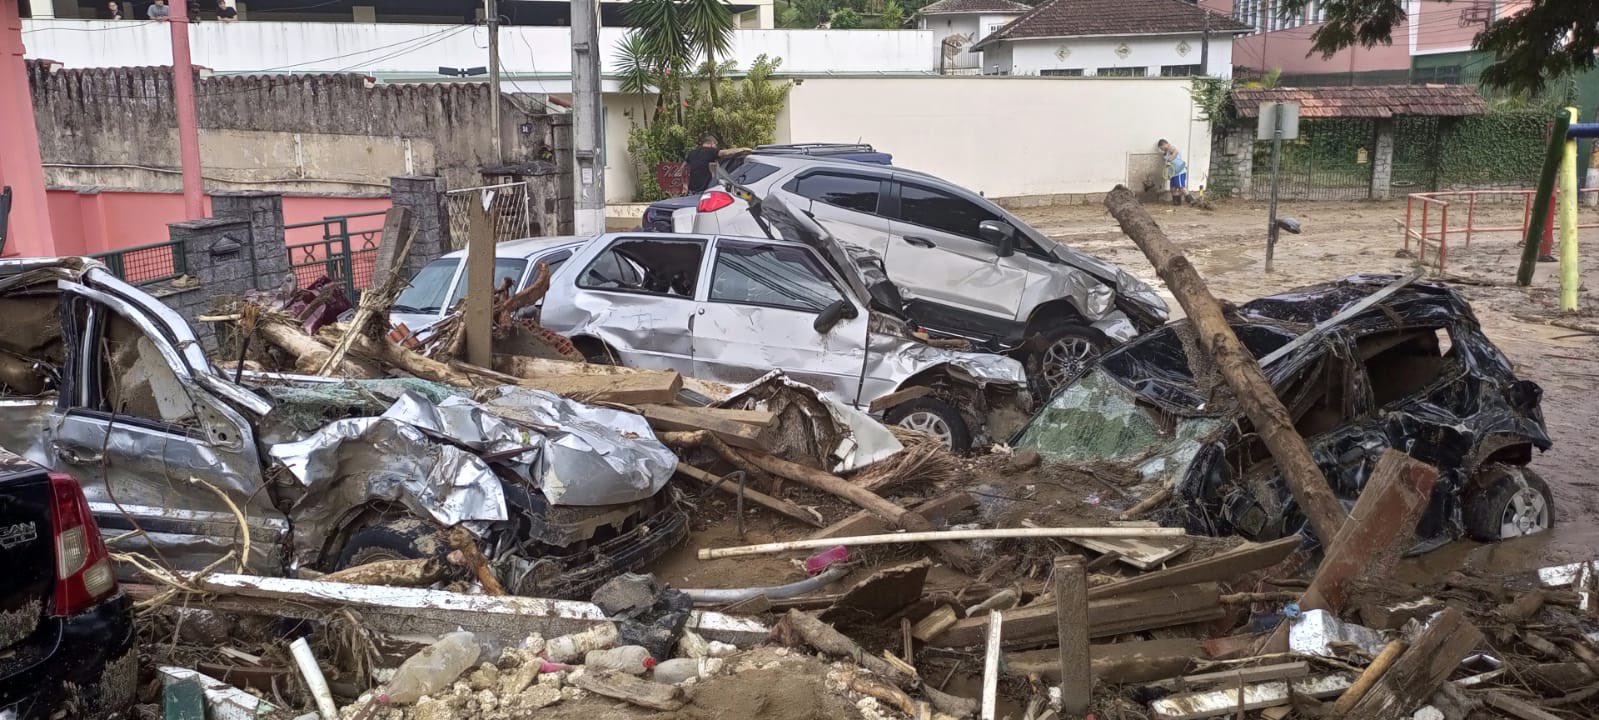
{"x":967,"y":267}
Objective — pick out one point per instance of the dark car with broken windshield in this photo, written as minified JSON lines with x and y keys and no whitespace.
{"x":1411,"y":371}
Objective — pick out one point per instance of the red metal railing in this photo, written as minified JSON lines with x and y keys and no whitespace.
{"x":1431,"y":209}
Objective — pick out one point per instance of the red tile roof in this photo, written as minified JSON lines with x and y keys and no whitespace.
{"x":1075,"y":18}
{"x":1375,"y":101}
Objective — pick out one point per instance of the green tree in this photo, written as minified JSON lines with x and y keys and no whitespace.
{"x":893,"y":16}
{"x":1548,"y":39}
{"x":668,"y":38}
{"x":845,"y":19}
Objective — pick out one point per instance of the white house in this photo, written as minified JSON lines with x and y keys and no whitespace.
{"x":1122,"y":38}
{"x":960,"y":24}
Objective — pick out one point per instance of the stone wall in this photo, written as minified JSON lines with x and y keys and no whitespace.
{"x":116,"y":128}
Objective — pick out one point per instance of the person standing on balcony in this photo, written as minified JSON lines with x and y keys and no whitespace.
{"x":1176,"y":171}
{"x":111,"y":11}
{"x":159,"y":11}
{"x":699,"y":162}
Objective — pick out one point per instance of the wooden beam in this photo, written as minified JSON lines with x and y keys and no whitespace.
{"x":777,"y":505}
{"x":1516,"y":708}
{"x":1226,"y":701}
{"x":1235,"y":363}
{"x":866,"y":522}
{"x":1106,"y":616}
{"x":1436,"y":653}
{"x":1258,"y":673}
{"x":996,"y":627}
{"x":1138,"y":661}
{"x":1071,"y":627}
{"x":898,"y":398}
{"x":636,"y":388}
{"x":936,"y":622}
{"x":479,"y":310}
{"x":1224,"y":566}
{"x":1140,"y":554}
{"x":731,"y":426}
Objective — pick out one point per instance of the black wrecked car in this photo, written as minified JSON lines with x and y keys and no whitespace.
{"x":1362,"y":364}
{"x":66,"y":630}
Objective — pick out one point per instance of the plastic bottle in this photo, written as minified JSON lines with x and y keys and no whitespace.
{"x":568,"y":648}
{"x":432,"y":669}
{"x":681,"y":670}
{"x":631,"y":659}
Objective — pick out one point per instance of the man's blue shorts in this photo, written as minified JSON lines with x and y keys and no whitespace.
{"x":1179,"y":181}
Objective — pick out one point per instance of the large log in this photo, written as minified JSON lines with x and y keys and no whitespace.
{"x":309,"y":353}
{"x":1235,"y":363}
{"x":387,"y":280}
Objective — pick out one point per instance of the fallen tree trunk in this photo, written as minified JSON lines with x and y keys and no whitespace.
{"x":1235,"y":363}
{"x":309,"y":353}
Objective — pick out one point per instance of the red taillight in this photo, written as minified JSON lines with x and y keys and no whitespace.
{"x":83,"y":567}
{"x":715,"y":200}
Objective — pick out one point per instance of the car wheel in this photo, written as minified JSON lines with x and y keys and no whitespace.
{"x":1508,"y":501}
{"x":933,"y":417}
{"x":399,"y":539}
{"x":1060,"y":354}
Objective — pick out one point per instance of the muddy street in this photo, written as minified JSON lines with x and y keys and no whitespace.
{"x":1227,"y":246}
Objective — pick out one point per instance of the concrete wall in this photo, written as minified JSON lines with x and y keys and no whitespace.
{"x":530,"y":54}
{"x":91,"y":220}
{"x":115,"y":128}
{"x":1030,"y":57}
{"x":1006,"y":136}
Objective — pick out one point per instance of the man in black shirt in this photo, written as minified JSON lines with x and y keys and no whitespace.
{"x":699,"y":162}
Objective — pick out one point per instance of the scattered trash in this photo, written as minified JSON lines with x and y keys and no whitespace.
{"x":432,"y":669}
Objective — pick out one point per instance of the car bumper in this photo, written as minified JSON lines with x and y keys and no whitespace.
{"x":578,"y":576}
{"x":92,"y":671}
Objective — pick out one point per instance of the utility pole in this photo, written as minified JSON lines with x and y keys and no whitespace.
{"x":188,"y":117}
{"x":588,"y":134}
{"x":1204,"y":48}
{"x":491,"y":12}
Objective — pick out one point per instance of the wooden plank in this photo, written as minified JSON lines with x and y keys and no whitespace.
{"x":996,"y":627}
{"x":1138,"y":661}
{"x":636,"y":388}
{"x":1248,"y":675}
{"x":865,"y":522}
{"x":1516,"y":708}
{"x":1434,"y":654}
{"x":1226,"y":701}
{"x":729,"y":425}
{"x":936,"y":622}
{"x":1223,"y":566}
{"x":638,"y":691}
{"x":898,"y":398}
{"x":778,"y":505}
{"x":1380,"y":527}
{"x":1236,"y":365}
{"x":1139,"y":553}
{"x":1071,"y":626}
{"x":1106,"y":616}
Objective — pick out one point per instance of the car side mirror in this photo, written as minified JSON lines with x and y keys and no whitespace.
{"x":830,"y":315}
{"x":1000,"y":234}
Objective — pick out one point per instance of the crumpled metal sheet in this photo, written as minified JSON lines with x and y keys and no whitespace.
{"x":851,"y":438}
{"x":588,"y":455}
{"x":911,"y":357}
{"x":354,"y":461}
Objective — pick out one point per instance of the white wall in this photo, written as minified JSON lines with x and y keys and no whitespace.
{"x":1006,"y":136}
{"x":1028,"y":57}
{"x":419,"y":50}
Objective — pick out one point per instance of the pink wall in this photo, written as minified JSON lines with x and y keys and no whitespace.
{"x":1438,"y":23}
{"x":90,"y":221}
{"x":1290,"y":49}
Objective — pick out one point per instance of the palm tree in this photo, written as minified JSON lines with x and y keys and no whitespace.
{"x":709,"y":27}
{"x":672,"y":34}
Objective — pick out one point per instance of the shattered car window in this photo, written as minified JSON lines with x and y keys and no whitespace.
{"x":1156,"y":365}
{"x":652,"y":266}
{"x":782,"y":277}
{"x":1401,"y":363}
{"x":504,"y":269}
{"x":31,"y":351}
{"x":136,"y":380}
{"x":427,"y":290}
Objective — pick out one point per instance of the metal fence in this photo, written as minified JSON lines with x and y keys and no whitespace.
{"x":342,"y":247}
{"x":509,"y":205}
{"x":955,"y":58}
{"x":1333,"y":159}
{"x":146,"y":264}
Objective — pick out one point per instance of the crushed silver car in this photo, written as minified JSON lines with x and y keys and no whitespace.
{"x":732,"y":309}
{"x":101,"y":381}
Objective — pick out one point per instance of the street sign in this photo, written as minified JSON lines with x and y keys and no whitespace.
{"x":1270,"y":118}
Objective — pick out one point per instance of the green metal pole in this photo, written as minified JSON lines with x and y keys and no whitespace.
{"x":1543,"y":196}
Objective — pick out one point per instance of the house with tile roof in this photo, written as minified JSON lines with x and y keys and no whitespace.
{"x":961,"y":23}
{"x":1120,"y":38}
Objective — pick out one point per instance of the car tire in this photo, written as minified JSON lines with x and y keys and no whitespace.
{"x":1508,"y":501}
{"x":406,"y":538}
{"x":933,"y":417}
{"x":1059,"y":353}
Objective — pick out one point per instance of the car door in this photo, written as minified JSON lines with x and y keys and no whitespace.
{"x":936,"y":253}
{"x":759,"y":310}
{"x":164,"y":463}
{"x":636,"y":293}
{"x":848,"y":204}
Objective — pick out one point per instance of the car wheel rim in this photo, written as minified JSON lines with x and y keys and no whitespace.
{"x":928,"y":423}
{"x":1065,"y":358}
{"x":1525,"y":514}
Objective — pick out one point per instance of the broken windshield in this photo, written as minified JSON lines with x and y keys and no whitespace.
{"x":1096,"y":419}
{"x":1156,"y":366}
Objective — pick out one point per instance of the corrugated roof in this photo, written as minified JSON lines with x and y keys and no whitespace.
{"x":945,"y":7}
{"x":1376,"y":101}
{"x":1074,"y":18}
